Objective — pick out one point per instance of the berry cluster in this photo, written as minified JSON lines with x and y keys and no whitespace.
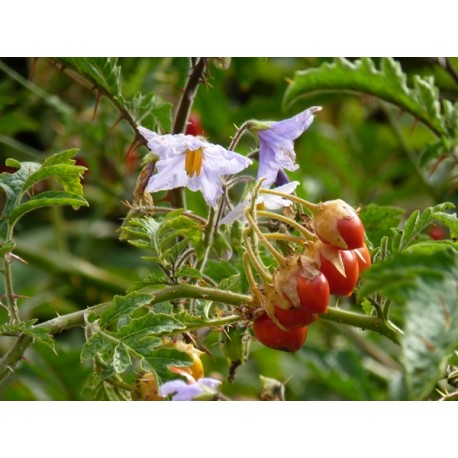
{"x":330,"y":263}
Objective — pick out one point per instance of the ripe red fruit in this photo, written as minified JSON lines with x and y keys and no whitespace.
{"x":313,"y":294}
{"x":194,"y":126}
{"x":338,"y":283}
{"x":338,"y":224}
{"x":295,"y":317}
{"x":437,"y":233}
{"x":270,"y":335}
{"x":352,"y":231}
{"x":363,"y":256}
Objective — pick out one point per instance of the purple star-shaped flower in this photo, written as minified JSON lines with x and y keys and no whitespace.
{"x":183,"y":391}
{"x":276,"y":148}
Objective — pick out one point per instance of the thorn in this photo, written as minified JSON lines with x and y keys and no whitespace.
{"x":18,"y":258}
{"x":118,"y":120}
{"x":436,"y":164}
{"x":133,"y":146}
{"x":32,"y":67}
{"x":97,"y":102}
{"x":288,"y":80}
{"x":179,"y":89}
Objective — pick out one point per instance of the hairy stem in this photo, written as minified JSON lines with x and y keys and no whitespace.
{"x":301,"y":229}
{"x":11,"y":303}
{"x":276,"y":254}
{"x":63,"y":322}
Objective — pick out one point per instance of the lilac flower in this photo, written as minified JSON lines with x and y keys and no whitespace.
{"x":183,"y":391}
{"x":276,"y":149}
{"x":269,"y":201}
{"x":185,"y":160}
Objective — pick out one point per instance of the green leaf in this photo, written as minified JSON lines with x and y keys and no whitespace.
{"x":68,"y":175}
{"x":388,"y":82}
{"x":60,"y":166}
{"x":123,"y":306}
{"x":431,"y":329}
{"x":121,"y":358}
{"x":27,"y":327}
{"x":163,"y":358}
{"x":449,"y":220}
{"x":188,"y":271}
{"x":399,"y":273}
{"x":222,"y":247}
{"x":7,"y":247}
{"x":46,"y":199}
{"x":150,"y":324}
{"x":378,"y":219}
{"x":12,"y":184}
{"x":231,"y":283}
{"x":97,"y":344}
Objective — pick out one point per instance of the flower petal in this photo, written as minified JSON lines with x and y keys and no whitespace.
{"x":223,"y":161}
{"x":238,"y":212}
{"x":170,"y":174}
{"x":268,"y":164}
{"x":273,"y":202}
{"x":171,"y":387}
{"x":293,"y":127}
{"x":188,"y":393}
{"x":211,"y":186}
{"x":209,"y":382}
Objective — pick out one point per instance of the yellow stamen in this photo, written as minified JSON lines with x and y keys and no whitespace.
{"x":193,"y":162}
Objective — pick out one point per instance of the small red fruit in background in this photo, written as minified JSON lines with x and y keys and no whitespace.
{"x":338,"y":283}
{"x":270,"y":335}
{"x":194,"y":126}
{"x":437,"y":232}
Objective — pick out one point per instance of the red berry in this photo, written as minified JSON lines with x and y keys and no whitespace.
{"x":338,"y":283}
{"x":338,"y":224}
{"x":270,"y":335}
{"x":313,"y":294}
{"x":194,"y":126}
{"x":295,"y":317}
{"x":363,"y":256}
{"x":352,"y":231}
{"x":437,"y":233}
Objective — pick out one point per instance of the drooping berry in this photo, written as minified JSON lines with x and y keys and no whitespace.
{"x":337,"y":223}
{"x":270,"y":335}
{"x":341,"y":280}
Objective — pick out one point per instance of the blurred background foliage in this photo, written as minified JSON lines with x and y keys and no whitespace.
{"x":359,"y":149}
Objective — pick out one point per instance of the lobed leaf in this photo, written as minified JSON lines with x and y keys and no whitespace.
{"x":123,"y":306}
{"x":388,"y":82}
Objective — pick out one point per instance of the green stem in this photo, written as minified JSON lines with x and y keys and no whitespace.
{"x":153,"y":210}
{"x":186,"y":291}
{"x":278,"y":257}
{"x":208,"y":237}
{"x":13,"y":355}
{"x":242,"y":129}
{"x":301,"y":229}
{"x":358,"y":320}
{"x":262,"y":271}
{"x":11,"y":302}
